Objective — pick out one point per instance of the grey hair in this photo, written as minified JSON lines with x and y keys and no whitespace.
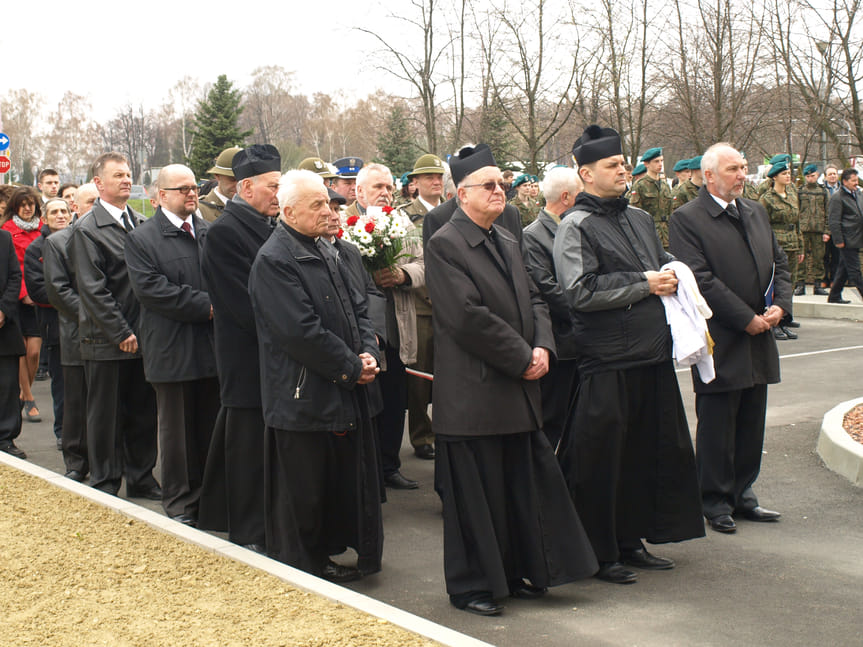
{"x":710,"y":159}
{"x":558,"y":180}
{"x":368,"y":168}
{"x":293,"y":183}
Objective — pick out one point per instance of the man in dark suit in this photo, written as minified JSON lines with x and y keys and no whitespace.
{"x":507,"y":518}
{"x":121,"y":406}
{"x":743,"y":274}
{"x":11,"y":347}
{"x":232,"y":496}
{"x":163,"y":257}
{"x":845,"y":218}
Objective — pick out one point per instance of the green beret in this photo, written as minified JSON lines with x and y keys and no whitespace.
{"x":778,"y":168}
{"x":639,"y":169}
{"x":810,"y":168}
{"x":534,"y":178}
{"x":695,"y":163}
{"x":682,"y":165}
{"x":521,"y":179}
{"x":651,"y":153}
{"x":405,"y":179}
{"x":782,"y":157}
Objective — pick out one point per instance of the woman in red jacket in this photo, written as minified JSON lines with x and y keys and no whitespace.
{"x":22,"y":220}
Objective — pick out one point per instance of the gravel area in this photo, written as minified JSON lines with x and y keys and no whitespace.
{"x":75,"y":573}
{"x":853,"y":423}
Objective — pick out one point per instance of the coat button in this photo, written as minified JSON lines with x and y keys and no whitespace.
{"x":344,"y":378}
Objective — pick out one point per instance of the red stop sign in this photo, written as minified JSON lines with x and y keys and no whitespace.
{"x":5,"y":164}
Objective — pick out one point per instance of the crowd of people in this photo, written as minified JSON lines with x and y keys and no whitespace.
{"x":240,"y":333}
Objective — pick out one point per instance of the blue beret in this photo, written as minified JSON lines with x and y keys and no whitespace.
{"x":778,"y":168}
{"x":651,"y":153}
{"x":810,"y":168}
{"x":639,"y":169}
{"x":695,"y":163}
{"x":782,"y":157}
{"x":682,"y":165}
{"x":521,"y":179}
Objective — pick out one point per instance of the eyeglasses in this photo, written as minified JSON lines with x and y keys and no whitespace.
{"x":489,"y":186}
{"x":182,"y":189}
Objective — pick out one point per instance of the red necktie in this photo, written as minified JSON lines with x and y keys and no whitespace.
{"x":187,"y":228}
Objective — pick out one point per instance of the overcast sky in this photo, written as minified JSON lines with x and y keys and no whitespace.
{"x":115,"y":52}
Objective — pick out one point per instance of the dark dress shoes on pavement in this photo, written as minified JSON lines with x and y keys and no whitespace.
{"x":760,"y":514}
{"x":340,"y":574}
{"x":615,"y":573}
{"x":789,"y":334}
{"x":837,"y":300}
{"x":186,"y":520}
{"x":153,"y":493}
{"x":480,"y":603}
{"x":791,"y":324}
{"x":820,"y":292}
{"x":779,"y":333}
{"x":257,"y":548}
{"x":13,"y":450}
{"x":75,"y":475}
{"x":399,"y":482}
{"x":425,"y":452}
{"x":640,"y":558}
{"x":722,"y":523}
{"x":524,"y":591}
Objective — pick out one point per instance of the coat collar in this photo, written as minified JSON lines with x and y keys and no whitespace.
{"x":105,"y":219}
{"x":169,"y":229}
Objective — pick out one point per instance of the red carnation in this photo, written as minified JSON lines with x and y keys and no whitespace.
{"x":340,"y":233}
{"x":387,"y":209}
{"x":370,"y":226}
{"x":352,"y":220}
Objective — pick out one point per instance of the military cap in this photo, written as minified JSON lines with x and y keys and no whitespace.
{"x":651,"y":153}
{"x":695,"y":163}
{"x":338,"y":197}
{"x":223,"y":162}
{"x":782,"y":157}
{"x":810,"y":168}
{"x":640,"y":169}
{"x":682,"y":165}
{"x":778,"y":168}
{"x":427,"y":164}
{"x":596,"y":143}
{"x":470,"y":159}
{"x":534,"y":179}
{"x":317,"y":165}
{"x":521,"y":179}
{"x":405,"y":179}
{"x":257,"y":159}
{"x":348,"y":167}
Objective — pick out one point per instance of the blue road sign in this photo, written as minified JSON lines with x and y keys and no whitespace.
{"x":4,"y":141}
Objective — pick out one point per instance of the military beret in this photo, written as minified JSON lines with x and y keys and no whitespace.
{"x":810,"y":168}
{"x":782,"y":157}
{"x":317,"y":165}
{"x":596,"y":143}
{"x":640,"y":169}
{"x":682,"y":165}
{"x":651,"y":153}
{"x":257,"y":159}
{"x":695,"y":163}
{"x":521,"y":179}
{"x":468,"y":160}
{"x":778,"y":168}
{"x":338,"y":197}
{"x":427,"y":164}
{"x":348,"y":167}
{"x":223,"y":162}
{"x":534,"y":179}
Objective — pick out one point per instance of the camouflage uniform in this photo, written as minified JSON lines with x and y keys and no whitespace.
{"x":813,"y":225}
{"x":750,"y":192}
{"x":654,"y":197}
{"x":528,"y":212}
{"x":785,"y":220}
{"x":766,"y":184}
{"x":683,"y":193}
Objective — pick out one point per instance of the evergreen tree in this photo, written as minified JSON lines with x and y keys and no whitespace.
{"x":397,"y":148}
{"x":215,"y":126}
{"x":495,"y":131}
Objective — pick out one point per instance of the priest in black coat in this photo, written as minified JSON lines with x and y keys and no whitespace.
{"x":507,"y":517}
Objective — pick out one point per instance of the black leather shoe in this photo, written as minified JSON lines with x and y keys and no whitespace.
{"x":525,"y":591}
{"x":779,"y":333}
{"x":41,"y":375}
{"x":10,"y":448}
{"x":153,"y":493}
{"x":75,"y":475}
{"x":615,"y":573}
{"x":186,"y":520}
{"x":760,"y":514}
{"x":819,"y":291}
{"x":640,"y":558}
{"x":800,"y":290}
{"x":723,"y":523}
{"x":399,"y":482}
{"x":483,"y":606}
{"x":258,"y":548}
{"x":425,"y":452}
{"x":792,"y":324}
{"x":837,"y":300}
{"x":339,"y":574}
{"x":788,"y":333}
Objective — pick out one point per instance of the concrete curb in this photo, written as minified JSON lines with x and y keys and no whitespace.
{"x":837,"y":449}
{"x":817,"y":307}
{"x":294,"y":577}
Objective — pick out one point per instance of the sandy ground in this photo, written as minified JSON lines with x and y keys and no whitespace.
{"x":74,"y":573}
{"x":853,"y":423}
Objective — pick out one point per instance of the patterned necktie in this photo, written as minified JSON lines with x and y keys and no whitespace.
{"x":187,"y":228}
{"x":127,"y":225}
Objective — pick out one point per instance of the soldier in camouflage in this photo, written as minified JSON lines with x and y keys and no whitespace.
{"x":653,"y":194}
{"x":688,"y":190}
{"x":813,"y":200}
{"x":527,"y":207}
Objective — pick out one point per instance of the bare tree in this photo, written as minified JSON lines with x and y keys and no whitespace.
{"x":131,"y":132}
{"x":184,"y":98}
{"x":72,"y":142}
{"x":22,"y":112}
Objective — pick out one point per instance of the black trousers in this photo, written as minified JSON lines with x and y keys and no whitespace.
{"x":728,"y":447}
{"x":55,"y":370}
{"x":187,"y":413}
{"x":420,"y":389}
{"x":847,"y":272}
{"x":74,"y":432}
{"x":10,"y":404}
{"x":121,"y":424}
{"x":558,"y":388}
{"x":391,"y":421}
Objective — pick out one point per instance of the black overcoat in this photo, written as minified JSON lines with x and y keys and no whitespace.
{"x":176,"y":331}
{"x":233,"y":241}
{"x":11,"y":341}
{"x":487,"y":318}
{"x":733,"y":271}
{"x":34,"y":278}
{"x":62,"y":290}
{"x":845,"y":218}
{"x":509,"y":219}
